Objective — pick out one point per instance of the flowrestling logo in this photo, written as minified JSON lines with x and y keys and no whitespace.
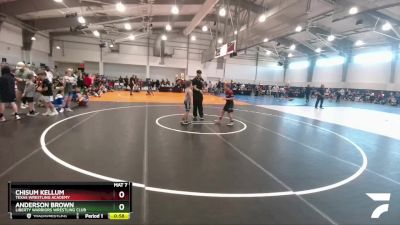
{"x":379,"y":197}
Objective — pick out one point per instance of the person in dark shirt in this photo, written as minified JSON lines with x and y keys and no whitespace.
{"x":7,"y":92}
{"x":307,"y":93}
{"x":320,"y":97}
{"x":197,"y":83}
{"x":47,"y":94}
{"x":131,"y":83}
{"x":228,"y":106}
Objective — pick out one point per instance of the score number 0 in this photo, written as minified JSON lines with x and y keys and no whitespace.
{"x":121,"y":206}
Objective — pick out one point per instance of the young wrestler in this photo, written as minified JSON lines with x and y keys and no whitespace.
{"x":29,"y":94}
{"x":228,"y":106}
{"x":187,"y":102}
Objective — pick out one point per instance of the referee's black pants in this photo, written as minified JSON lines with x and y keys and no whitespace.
{"x":320,"y":99}
{"x":197,"y":104}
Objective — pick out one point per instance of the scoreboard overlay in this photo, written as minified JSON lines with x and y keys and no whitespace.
{"x":70,"y":200}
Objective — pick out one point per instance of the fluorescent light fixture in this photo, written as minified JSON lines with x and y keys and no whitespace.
{"x":262,"y":18}
{"x":222,"y":12}
{"x":96,"y":33}
{"x":120,"y":7}
{"x":331,"y":37}
{"x":175,"y":10}
{"x":266,"y":40}
{"x":131,"y":37}
{"x":353,"y":10}
{"x":373,"y":57}
{"x":220,"y":40}
{"x":290,"y":55}
{"x":299,"y":65}
{"x":387,"y":26}
{"x":235,"y":32}
{"x":359,"y":43}
{"x":268,"y":52}
{"x":111,"y":46}
{"x":204,"y":28}
{"x":81,"y":20}
{"x":58,"y":1}
{"x":298,"y":28}
{"x":333,"y":61}
{"x":193,"y":38}
{"x":318,"y":50}
{"x":292,"y":47}
{"x":168,"y":27}
{"x":33,"y":38}
{"x":58,"y":47}
{"x":127,"y":26}
{"x":164,"y":37}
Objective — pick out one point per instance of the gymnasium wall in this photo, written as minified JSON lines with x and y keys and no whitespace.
{"x":132,"y":59}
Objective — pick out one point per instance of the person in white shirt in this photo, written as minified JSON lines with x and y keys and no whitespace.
{"x":49,"y":74}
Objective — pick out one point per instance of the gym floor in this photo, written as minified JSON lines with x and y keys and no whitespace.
{"x":271,"y":167}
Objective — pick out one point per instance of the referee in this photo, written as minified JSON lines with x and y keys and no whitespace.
{"x":198,"y":96}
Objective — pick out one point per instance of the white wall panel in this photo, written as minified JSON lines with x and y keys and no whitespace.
{"x":328,"y":74}
{"x":117,"y":70}
{"x":11,"y":52}
{"x":165,"y":73}
{"x":296,"y":77}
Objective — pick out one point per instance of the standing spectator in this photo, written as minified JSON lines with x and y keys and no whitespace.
{"x":339,"y":95}
{"x":126,"y":82}
{"x":320,"y":97}
{"x":21,"y":76}
{"x":307,"y":93}
{"x":29,"y":94}
{"x":7,"y":93}
{"x":49,"y":74}
{"x":68,"y":82}
{"x":47,"y":91}
{"x":131,"y":83}
{"x":157,"y":84}
{"x":197,"y":83}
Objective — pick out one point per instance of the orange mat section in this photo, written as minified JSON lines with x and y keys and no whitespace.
{"x":158,"y":97}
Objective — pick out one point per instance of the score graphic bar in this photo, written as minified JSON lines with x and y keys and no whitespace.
{"x":70,"y":200}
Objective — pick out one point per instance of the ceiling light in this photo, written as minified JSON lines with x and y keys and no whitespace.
{"x":164,"y":37}
{"x":131,"y":37}
{"x":353,"y":10}
{"x":318,"y":50}
{"x":120,"y":7}
{"x":33,"y":38}
{"x":111,"y":46}
{"x":292,"y":47}
{"x":96,"y":33}
{"x":58,"y":47}
{"x":58,"y":1}
{"x":204,"y":28}
{"x":127,"y":26}
{"x":359,"y":43}
{"x":81,"y":20}
{"x":298,"y":28}
{"x":387,"y":26}
{"x":331,"y":37}
{"x":290,"y":55}
{"x":266,"y":40}
{"x":222,"y":12}
{"x":168,"y":27}
{"x":235,"y":32}
{"x":220,"y":40}
{"x":268,"y":52}
{"x":262,"y":18}
{"x":175,"y":10}
{"x":193,"y":38}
